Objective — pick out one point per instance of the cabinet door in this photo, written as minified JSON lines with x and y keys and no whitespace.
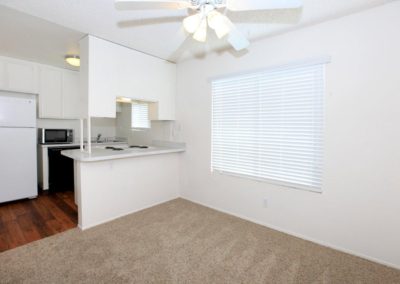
{"x":50,"y":92}
{"x":167,"y":91}
{"x":21,"y":76}
{"x":72,"y":103}
{"x":147,"y":78}
{"x":102,"y":74}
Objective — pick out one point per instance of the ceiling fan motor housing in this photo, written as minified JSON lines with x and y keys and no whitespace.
{"x":199,"y":3}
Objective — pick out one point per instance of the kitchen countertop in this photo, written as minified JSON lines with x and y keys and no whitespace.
{"x":94,"y":144}
{"x":99,"y":153}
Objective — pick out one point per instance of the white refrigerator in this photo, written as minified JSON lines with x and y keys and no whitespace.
{"x":18,"y":167}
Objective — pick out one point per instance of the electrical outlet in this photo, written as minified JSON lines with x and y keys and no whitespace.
{"x":265,"y":203}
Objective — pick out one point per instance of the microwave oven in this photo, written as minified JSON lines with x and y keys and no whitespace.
{"x":55,"y":136}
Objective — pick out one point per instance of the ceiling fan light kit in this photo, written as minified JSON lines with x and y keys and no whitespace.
{"x":197,"y":24}
{"x":207,"y":15}
{"x":219,"y":23}
{"x":201,"y":32}
{"x":192,"y":23}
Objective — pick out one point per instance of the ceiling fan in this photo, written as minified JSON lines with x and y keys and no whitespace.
{"x":210,"y":13}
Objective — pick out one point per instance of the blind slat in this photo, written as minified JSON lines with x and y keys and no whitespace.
{"x":269,"y":125}
{"x":140,"y":115}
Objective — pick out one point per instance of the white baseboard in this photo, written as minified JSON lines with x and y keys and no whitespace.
{"x":83,"y":228}
{"x":319,"y":242}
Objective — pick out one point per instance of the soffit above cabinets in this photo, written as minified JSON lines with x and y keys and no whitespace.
{"x":155,"y":32}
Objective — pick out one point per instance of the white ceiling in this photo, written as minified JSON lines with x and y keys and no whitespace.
{"x":30,"y":38}
{"x":156,"y":32}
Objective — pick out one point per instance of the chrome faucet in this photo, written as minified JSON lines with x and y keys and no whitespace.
{"x":98,"y":137}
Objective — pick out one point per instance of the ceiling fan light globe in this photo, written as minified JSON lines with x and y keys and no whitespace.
{"x":213,"y":19}
{"x":192,"y":23}
{"x":222,"y":30}
{"x":219,"y":23}
{"x":201,"y":32}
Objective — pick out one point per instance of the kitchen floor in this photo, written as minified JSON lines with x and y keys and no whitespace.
{"x":25,"y":221}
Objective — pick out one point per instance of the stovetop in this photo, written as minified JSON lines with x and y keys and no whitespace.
{"x":121,"y":149}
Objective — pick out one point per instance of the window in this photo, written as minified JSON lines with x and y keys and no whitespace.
{"x":140,"y":115}
{"x":268,"y":125}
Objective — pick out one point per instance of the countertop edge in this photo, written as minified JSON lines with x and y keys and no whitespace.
{"x":77,"y":144}
{"x":71,"y":154}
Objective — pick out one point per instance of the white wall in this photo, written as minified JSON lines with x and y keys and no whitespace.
{"x":104,"y":126}
{"x":359,"y":208}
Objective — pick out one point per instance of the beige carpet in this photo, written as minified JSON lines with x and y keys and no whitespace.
{"x":181,"y":242}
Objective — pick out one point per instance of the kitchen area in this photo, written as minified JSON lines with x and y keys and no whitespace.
{"x":99,"y":143}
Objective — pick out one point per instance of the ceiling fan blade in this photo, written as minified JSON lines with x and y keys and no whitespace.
{"x":238,"y":40}
{"x":151,"y":4}
{"x":149,"y":21}
{"x":250,"y":5}
{"x":235,"y":37}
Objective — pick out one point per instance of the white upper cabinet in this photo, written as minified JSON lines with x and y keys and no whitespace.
{"x":58,"y":88}
{"x":114,"y":71}
{"x":59,"y":95}
{"x":98,"y":75}
{"x":21,"y":77}
{"x":17,"y":75}
{"x":50,"y":92}
{"x":72,"y":102}
{"x":147,"y":78}
{"x":2,"y":75}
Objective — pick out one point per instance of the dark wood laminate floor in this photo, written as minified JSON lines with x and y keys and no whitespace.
{"x":25,"y":221}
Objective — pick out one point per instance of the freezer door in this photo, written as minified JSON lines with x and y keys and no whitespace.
{"x":17,"y":110}
{"x":18,"y":168}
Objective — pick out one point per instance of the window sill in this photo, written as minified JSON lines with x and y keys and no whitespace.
{"x":271,"y":181}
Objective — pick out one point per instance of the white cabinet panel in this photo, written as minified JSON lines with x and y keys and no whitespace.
{"x":102,"y":79}
{"x":72,"y":102}
{"x":58,"y":88}
{"x":59,"y":95}
{"x":146,"y":78}
{"x":21,"y":76}
{"x":50,"y":92}
{"x":109,"y":70}
{"x":2,"y":75}
{"x":18,"y":75}
{"x":166,"y":92}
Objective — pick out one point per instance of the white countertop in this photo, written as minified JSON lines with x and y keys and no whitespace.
{"x":94,"y":144}
{"x":99,"y":153}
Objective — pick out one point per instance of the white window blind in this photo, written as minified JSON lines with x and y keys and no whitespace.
{"x":269,"y":125}
{"x":140,"y":115}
